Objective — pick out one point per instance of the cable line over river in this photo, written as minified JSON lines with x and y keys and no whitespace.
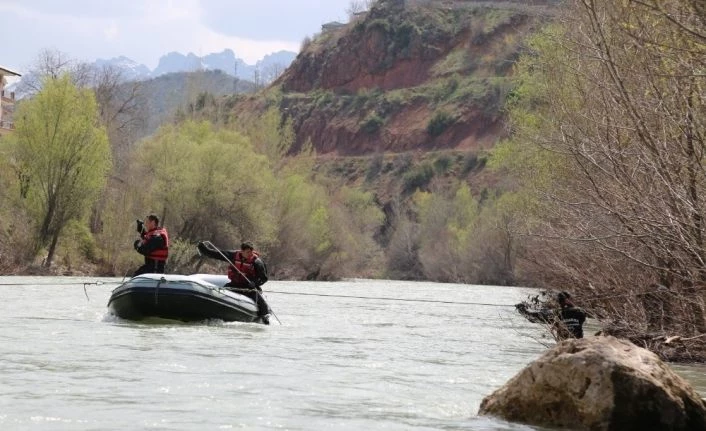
{"x":435,"y":301}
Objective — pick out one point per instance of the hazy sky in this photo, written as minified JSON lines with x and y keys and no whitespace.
{"x":143,"y":30}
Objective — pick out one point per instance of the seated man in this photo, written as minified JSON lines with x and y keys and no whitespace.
{"x":247,"y":272}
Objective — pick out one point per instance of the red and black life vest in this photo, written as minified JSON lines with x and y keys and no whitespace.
{"x":159,"y":253}
{"x":246,"y":266}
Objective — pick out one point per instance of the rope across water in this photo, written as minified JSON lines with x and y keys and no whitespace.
{"x":62,"y":283}
{"x":383,"y":298}
{"x":380,"y":298}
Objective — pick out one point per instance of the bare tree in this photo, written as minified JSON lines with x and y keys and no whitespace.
{"x":620,"y":92}
{"x":273,"y":71}
{"x":53,"y":64}
{"x":235,"y":78}
{"x":357,"y":6}
{"x":123,"y":108}
{"x":354,"y":7}
{"x":120,"y":102}
{"x":257,"y":77}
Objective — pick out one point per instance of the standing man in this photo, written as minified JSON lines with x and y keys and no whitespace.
{"x":572,"y":318}
{"x":246,"y":271}
{"x":154,"y":245}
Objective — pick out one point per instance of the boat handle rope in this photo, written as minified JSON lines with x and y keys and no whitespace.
{"x":156,"y":290}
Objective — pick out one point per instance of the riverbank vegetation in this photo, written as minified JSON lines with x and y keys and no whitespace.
{"x":211,"y":174}
{"x":609,"y":140}
{"x":205,"y":182}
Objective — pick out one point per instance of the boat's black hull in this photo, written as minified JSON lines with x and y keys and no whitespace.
{"x":144,"y":298}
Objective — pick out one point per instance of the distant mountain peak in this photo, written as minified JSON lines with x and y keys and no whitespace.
{"x":262,"y":72}
{"x":226,"y":61}
{"x":131,"y":69}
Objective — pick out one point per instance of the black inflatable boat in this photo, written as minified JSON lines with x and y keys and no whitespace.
{"x":186,"y":298}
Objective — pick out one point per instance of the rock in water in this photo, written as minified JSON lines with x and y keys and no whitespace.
{"x":599,"y":383}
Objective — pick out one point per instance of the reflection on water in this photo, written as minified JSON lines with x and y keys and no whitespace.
{"x":335,"y":363}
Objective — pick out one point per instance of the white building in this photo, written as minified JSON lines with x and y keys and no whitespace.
{"x":7,"y":102}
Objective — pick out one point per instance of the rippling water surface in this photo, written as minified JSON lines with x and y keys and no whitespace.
{"x":335,"y":363}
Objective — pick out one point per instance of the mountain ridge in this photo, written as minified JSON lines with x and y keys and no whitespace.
{"x":226,"y":61}
{"x":264,"y":71}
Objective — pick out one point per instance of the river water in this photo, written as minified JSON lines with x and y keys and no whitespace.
{"x":421,"y":361}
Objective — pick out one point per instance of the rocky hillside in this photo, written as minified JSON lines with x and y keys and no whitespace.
{"x":405,"y":76}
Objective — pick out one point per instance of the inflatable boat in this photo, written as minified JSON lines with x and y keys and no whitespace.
{"x":186,"y":298}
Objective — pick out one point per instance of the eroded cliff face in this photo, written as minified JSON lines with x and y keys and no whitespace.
{"x":415,"y":77}
{"x":360,"y":59}
{"x":340,"y":133}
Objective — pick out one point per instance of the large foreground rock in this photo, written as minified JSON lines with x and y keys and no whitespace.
{"x":599,"y":383}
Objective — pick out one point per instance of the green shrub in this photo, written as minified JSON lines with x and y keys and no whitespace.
{"x":77,"y":245}
{"x":402,"y":36}
{"x":473,"y":161}
{"x":379,"y":23}
{"x":181,"y":256}
{"x":322,"y":98}
{"x":470,"y":162}
{"x":418,"y":177}
{"x":372,"y":123}
{"x":442,"y":164}
{"x":403,"y":163}
{"x":440,"y":122}
{"x":454,"y":62}
{"x":388,"y":166}
{"x":482,"y":160}
{"x":374,"y":168}
{"x":441,"y":90}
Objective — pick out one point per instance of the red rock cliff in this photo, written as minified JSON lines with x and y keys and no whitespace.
{"x":412,"y":75}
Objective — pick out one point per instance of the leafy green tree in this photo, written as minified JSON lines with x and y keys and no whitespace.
{"x":498,"y":239}
{"x":271,"y":135}
{"x":402,"y":252}
{"x":447,"y":224}
{"x":324,"y":234}
{"x":462,"y":218}
{"x":13,"y":228}
{"x":207,"y":184}
{"x":355,"y":219}
{"x":304,"y":236}
{"x":64,"y":153}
